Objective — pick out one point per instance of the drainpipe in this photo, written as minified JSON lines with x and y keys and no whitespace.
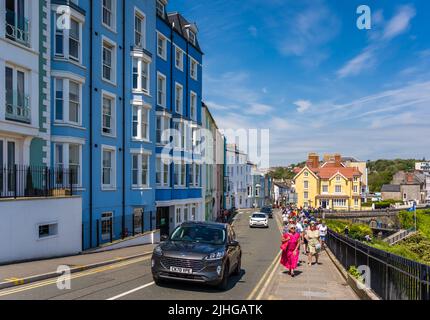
{"x":91,"y":126}
{"x":123,"y":118}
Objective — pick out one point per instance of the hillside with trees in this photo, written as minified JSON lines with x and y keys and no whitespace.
{"x":284,"y":173}
{"x":382,"y":171}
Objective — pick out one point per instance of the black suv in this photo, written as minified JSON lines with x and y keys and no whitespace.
{"x":202,"y":252}
{"x":267,"y":210}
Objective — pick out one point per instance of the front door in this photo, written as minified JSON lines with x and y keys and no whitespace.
{"x":163,"y":220}
{"x":7,"y":163}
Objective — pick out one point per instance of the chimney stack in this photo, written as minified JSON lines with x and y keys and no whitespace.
{"x":337,"y":159}
{"x":313,"y":160}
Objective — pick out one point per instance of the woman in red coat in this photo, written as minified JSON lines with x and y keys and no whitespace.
{"x":290,"y":249}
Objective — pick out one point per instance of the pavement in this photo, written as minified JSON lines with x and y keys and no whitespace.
{"x":316,"y":282}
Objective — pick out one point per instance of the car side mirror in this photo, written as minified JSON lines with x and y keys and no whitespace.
{"x":164,"y":237}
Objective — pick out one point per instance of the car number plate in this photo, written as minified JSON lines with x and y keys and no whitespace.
{"x":181,"y":270}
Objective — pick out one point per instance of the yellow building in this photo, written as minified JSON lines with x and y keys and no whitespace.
{"x":330,"y":184}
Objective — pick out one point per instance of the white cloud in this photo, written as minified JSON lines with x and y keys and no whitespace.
{"x":303,"y":105}
{"x":399,"y":23}
{"x":259,"y":109}
{"x":363,"y":61}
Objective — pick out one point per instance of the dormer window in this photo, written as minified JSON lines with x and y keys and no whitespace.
{"x":160,"y":8}
{"x":192,"y":37}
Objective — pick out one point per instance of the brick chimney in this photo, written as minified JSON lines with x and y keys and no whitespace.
{"x":313,"y":160}
{"x":337,"y":160}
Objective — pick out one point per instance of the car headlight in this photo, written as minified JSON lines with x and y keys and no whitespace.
{"x":158,"y":251}
{"x":215,"y":255}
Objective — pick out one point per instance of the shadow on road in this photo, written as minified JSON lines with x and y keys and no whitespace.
{"x":173,"y":284}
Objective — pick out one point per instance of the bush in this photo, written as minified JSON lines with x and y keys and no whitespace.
{"x":357,"y":231}
{"x":355,"y":273}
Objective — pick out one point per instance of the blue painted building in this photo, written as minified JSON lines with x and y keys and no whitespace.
{"x":103,"y":95}
{"x":122,"y":72}
{"x":178,"y":118}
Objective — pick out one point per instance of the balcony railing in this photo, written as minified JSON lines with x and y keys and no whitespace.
{"x":19,"y":181}
{"x":17,"y":28}
{"x":18,"y":107}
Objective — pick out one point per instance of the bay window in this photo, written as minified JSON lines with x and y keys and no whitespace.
{"x":140,"y":75}
{"x":68,"y":101}
{"x":68,"y":40}
{"x":140,"y":122}
{"x":163,"y":124}
{"x":163,"y":173}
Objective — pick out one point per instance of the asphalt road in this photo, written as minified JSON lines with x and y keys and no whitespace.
{"x":133,"y":279}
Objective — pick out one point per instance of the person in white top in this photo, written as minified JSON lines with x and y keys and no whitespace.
{"x":323,"y":233}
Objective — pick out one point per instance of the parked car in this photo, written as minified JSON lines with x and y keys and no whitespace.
{"x":259,"y":219}
{"x":267,"y":210}
{"x":200,"y":252}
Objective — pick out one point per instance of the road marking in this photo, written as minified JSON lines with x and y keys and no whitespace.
{"x":131,"y":291}
{"x":270,"y":269}
{"x":73,"y":276}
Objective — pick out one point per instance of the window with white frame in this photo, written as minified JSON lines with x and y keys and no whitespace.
{"x":193,"y":105}
{"x":109,"y":13}
{"x":305,"y":195}
{"x":180,"y":171}
{"x":140,"y":170}
{"x":163,"y":173}
{"x":338,"y":178}
{"x":306,"y":184}
{"x":338,"y":189}
{"x":178,"y":215}
{"x":109,"y":61}
{"x":325,"y":188}
{"x":163,"y":124}
{"x":68,"y":156}
{"x":108,"y":167}
{"x":17,"y":99}
{"x":161,"y":46}
{"x":108,"y":114}
{"x":140,"y":75}
{"x":356,"y":202}
{"x":339,"y":202}
{"x":193,"y":69}
{"x":192,"y":36}
{"x":68,"y":41}
{"x":179,"y":59}
{"x":179,"y":95}
{"x":139,"y":29}
{"x":140,"y":122}
{"x":355,"y":189}
{"x":193,"y":212}
{"x":47,"y":230}
{"x":194,"y":175}
{"x":161,"y":90}
{"x":68,"y":101}
{"x":160,"y":8}
{"x":186,"y":213}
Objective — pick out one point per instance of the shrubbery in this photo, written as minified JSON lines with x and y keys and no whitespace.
{"x":357,"y":231}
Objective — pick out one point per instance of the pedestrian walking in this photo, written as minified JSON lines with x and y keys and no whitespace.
{"x":290,"y":249}
{"x":323,"y":233}
{"x":314,"y":246}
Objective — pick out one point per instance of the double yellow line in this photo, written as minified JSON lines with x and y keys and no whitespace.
{"x":267,"y":277}
{"x":72,"y":276}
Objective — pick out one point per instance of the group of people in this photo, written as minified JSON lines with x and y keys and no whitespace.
{"x":301,"y":227}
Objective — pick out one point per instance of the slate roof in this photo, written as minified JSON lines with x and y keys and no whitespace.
{"x":390,"y":188}
{"x":179,"y":25}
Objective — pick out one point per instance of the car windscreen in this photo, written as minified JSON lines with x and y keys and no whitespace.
{"x":259,"y":215}
{"x":266,"y":209}
{"x":201,"y":234}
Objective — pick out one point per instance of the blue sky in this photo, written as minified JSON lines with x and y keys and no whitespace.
{"x":305,"y":71}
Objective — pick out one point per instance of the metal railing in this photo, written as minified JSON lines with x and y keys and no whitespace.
{"x":18,"y":106}
{"x":19,"y":181}
{"x":391,"y":277}
{"x":17,"y":28}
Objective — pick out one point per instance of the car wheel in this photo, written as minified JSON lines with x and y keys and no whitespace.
{"x":224,"y":282}
{"x":238,"y":268}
